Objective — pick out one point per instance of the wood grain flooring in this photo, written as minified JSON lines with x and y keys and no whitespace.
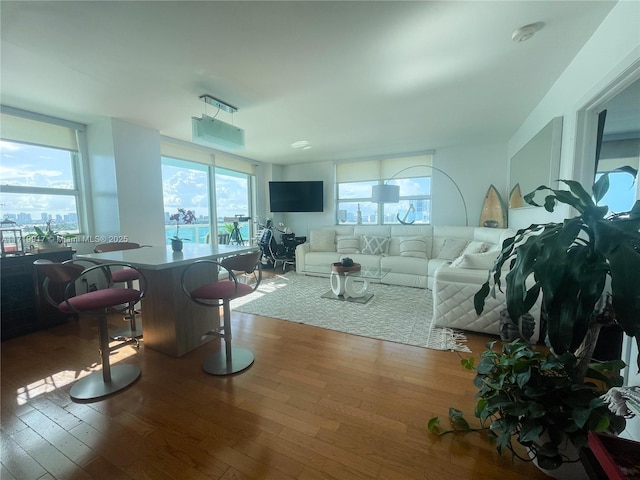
{"x":317,"y":404}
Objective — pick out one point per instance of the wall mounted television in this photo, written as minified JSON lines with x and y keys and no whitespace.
{"x":302,"y":196}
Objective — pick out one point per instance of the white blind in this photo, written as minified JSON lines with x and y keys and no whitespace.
{"x":195,"y":154}
{"x":183,"y":152}
{"x":384,"y":169}
{"x":235,"y":164}
{"x":34,"y":132}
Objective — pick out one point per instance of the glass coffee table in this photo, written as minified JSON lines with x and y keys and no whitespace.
{"x":350,"y":286}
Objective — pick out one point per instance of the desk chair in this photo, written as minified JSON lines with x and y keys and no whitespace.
{"x":244,"y":276}
{"x":126,"y":276}
{"x":63,"y":276}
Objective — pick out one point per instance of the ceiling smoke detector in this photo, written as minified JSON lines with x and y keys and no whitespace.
{"x":523,"y":34}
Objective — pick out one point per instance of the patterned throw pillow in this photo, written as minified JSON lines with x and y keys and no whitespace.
{"x":347,"y":244}
{"x":413,"y":247}
{"x":374,"y":245}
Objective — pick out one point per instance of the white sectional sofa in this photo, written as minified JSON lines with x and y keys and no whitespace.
{"x":452,"y":262}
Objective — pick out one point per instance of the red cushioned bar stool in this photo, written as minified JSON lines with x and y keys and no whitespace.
{"x":244,"y":276}
{"x":64,"y":276}
{"x":126,"y":276}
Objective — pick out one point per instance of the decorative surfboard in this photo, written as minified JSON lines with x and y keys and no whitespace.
{"x":493,"y":212}
{"x":515,"y":197}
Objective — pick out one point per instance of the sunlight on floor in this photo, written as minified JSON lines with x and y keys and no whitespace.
{"x":65,"y":377}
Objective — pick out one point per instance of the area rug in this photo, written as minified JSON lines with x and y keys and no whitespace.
{"x":397,"y":314}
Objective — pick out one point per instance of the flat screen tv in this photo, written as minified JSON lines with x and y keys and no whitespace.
{"x":302,"y":196}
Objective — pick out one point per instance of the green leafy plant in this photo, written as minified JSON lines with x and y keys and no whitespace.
{"x":525,"y":395}
{"x":48,"y":235}
{"x":187,"y":217}
{"x":587,"y":269}
{"x":571,"y":263}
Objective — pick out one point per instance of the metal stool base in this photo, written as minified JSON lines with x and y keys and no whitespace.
{"x":94,"y":387}
{"x":217,"y":364}
{"x":126,"y":332}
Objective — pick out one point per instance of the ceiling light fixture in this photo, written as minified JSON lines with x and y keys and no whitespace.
{"x":523,"y":34}
{"x":218,"y":103}
{"x":303,"y":144}
{"x":210,"y":130}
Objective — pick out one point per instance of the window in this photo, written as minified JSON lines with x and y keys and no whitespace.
{"x":189,"y":185}
{"x":622,"y":192}
{"x":414,"y":205}
{"x":39,"y":174}
{"x":186,"y":185}
{"x":233,"y":198}
{"x":355,"y":181}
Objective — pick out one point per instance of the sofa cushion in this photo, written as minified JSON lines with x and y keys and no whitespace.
{"x":413,"y":247}
{"x":406,"y":265}
{"x":452,"y":248}
{"x":475,"y":247}
{"x":374,"y":245}
{"x":476,"y":261}
{"x":347,"y":244}
{"x":322,"y":240}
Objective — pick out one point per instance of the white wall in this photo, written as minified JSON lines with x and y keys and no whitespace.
{"x":126,"y":182}
{"x":612,"y":50}
{"x":474,"y":169}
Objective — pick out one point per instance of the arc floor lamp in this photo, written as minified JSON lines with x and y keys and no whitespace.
{"x":387,"y":193}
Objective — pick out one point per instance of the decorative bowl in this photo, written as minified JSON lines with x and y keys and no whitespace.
{"x":339,"y":268}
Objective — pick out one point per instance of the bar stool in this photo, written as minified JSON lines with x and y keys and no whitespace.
{"x":126,"y":276}
{"x":220,"y":293}
{"x":64,"y":276}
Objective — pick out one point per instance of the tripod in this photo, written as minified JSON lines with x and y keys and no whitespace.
{"x":235,"y":238}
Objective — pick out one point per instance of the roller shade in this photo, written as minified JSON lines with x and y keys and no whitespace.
{"x":195,"y":154}
{"x":235,"y":164}
{"x":183,"y":152}
{"x":34,"y":132}
{"x":384,"y":169}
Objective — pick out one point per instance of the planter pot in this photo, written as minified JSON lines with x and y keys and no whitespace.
{"x":572,"y":469}
{"x":48,"y":245}
{"x":176,"y":245}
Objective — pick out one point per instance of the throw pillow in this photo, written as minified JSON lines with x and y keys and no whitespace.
{"x":413,"y":247}
{"x":476,"y":261}
{"x":322,"y":240}
{"x":475,"y":247}
{"x":374,"y":245}
{"x":452,"y":248}
{"x":347,"y":244}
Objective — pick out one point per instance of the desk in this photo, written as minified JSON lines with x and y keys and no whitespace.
{"x":173,"y":324}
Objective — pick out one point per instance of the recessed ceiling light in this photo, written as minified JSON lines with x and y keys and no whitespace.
{"x":523,"y":34}
{"x":301,"y":144}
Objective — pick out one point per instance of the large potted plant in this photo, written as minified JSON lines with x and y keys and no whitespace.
{"x":587,"y":269}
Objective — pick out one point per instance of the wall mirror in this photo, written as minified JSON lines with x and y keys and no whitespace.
{"x":537,"y":163}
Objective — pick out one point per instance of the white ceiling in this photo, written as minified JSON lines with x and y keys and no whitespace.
{"x":355,"y":79}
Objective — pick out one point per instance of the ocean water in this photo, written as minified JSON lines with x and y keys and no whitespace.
{"x":198,"y":233}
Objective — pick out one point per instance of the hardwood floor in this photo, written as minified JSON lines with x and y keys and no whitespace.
{"x":316,"y":404}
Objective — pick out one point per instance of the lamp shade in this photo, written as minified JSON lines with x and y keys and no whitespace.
{"x":385,"y":193}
